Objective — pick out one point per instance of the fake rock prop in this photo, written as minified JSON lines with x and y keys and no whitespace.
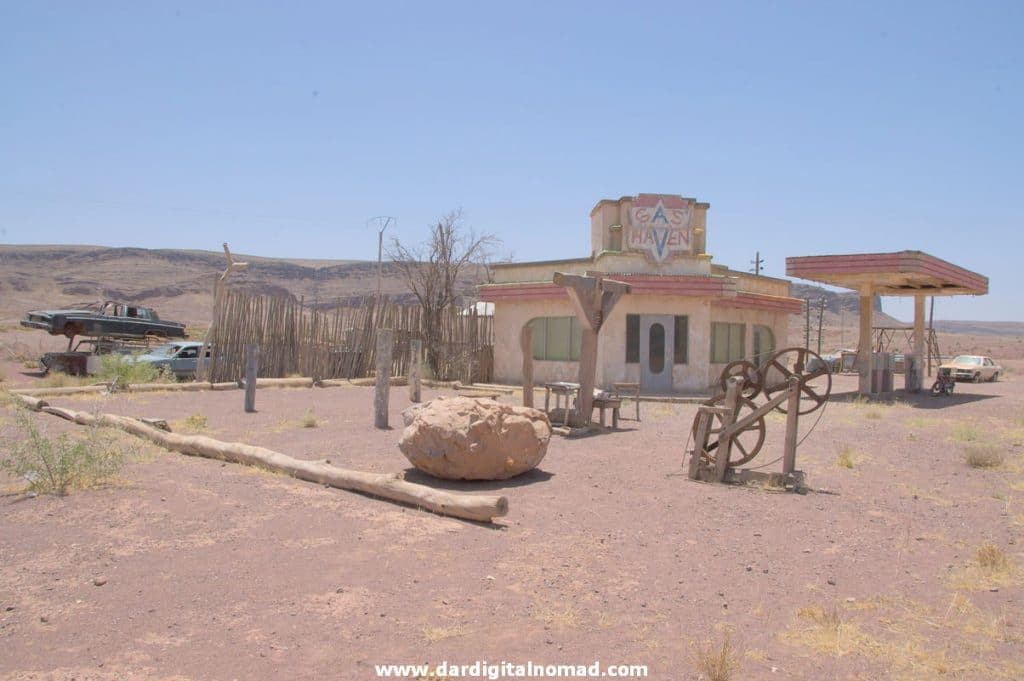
{"x":463,"y":438}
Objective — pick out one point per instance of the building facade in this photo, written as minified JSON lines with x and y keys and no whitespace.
{"x":683,"y":321}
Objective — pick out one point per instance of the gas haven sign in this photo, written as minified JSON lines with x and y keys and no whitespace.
{"x":660,"y":226}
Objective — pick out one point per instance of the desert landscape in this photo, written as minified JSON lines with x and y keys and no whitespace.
{"x":902,"y":561}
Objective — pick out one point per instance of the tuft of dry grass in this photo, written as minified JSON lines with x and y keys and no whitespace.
{"x":717,"y":662}
{"x":991,"y":557}
{"x":195,"y":423}
{"x":827,"y":632}
{"x":847,"y":457}
{"x":562,"y":619}
{"x":435,"y":634}
{"x":966,"y":431}
{"x":990,"y":567}
{"x":980,"y":455}
{"x":309,"y":419}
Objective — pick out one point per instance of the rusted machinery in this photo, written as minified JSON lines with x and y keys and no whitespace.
{"x":729,"y":430}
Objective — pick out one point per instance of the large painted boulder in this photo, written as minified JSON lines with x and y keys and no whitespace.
{"x":465,"y":438}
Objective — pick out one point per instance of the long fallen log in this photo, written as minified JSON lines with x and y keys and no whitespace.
{"x":482,"y":508}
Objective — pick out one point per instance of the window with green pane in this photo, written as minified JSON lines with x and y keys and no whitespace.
{"x":727,"y":341}
{"x":556,"y":338}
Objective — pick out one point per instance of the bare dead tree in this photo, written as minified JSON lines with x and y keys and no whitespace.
{"x":431,"y":271}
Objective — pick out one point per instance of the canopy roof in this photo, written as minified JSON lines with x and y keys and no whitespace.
{"x":904,"y":273}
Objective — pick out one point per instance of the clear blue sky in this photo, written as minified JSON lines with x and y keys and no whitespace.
{"x":281,"y":128}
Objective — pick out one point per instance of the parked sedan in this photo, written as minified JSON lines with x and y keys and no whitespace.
{"x":973,"y":368}
{"x":181,"y":359}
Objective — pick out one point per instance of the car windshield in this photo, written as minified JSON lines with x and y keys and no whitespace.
{"x":164,"y":350}
{"x":967,"y":359}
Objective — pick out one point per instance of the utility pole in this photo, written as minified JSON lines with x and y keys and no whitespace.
{"x":381,"y":223}
{"x":758,"y":263}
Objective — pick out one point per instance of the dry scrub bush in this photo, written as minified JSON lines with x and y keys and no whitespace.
{"x":983,"y":455}
{"x":991,"y":557}
{"x":846,"y":457}
{"x":717,"y":663}
{"x":309,"y":419}
{"x":56,"y":466}
{"x":966,"y":431}
{"x":195,"y":423}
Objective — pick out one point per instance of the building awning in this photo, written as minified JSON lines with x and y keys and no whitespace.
{"x":903,"y":273}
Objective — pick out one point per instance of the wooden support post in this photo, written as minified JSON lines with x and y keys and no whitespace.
{"x":415,"y":368}
{"x":724,"y":449}
{"x":526,"y":344}
{"x":252,"y":363}
{"x":864,"y":356}
{"x":593,"y":299}
{"x":700,"y":441}
{"x":792,"y":421}
{"x":588,"y":372}
{"x":385,"y":340}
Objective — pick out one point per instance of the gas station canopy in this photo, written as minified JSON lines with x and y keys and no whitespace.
{"x":904,"y":273}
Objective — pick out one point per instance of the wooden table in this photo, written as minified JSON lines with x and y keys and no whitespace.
{"x":561,"y":390}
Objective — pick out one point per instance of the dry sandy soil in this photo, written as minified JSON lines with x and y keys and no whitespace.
{"x":609,"y":553}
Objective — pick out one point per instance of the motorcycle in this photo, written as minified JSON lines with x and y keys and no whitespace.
{"x":944,"y":383}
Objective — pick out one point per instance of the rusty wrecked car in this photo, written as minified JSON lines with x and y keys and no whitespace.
{"x":109,"y":320}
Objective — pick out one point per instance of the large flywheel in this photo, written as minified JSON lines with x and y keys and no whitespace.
{"x":746,"y":443}
{"x":810,"y":370}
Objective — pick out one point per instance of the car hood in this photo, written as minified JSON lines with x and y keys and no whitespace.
{"x":959,"y":365}
{"x":53,"y":312}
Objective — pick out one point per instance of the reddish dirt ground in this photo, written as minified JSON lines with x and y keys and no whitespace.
{"x":609,"y":553}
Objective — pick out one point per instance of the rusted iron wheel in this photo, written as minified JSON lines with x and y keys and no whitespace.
{"x":751,"y":377}
{"x":746,"y":443}
{"x":812,"y":372}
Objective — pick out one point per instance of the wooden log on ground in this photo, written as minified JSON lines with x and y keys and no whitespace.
{"x":293,"y":382}
{"x":229,"y":385}
{"x":70,"y":390}
{"x":171,"y":387}
{"x":33,"y":403}
{"x":482,"y":508}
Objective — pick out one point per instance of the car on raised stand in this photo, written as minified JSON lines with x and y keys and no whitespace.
{"x":975,"y":368}
{"x":109,"y":320}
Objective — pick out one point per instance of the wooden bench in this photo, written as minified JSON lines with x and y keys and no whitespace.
{"x":630,"y":390}
{"x":612,"y":403}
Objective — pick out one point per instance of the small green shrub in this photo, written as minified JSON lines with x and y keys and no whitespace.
{"x":309,"y":419}
{"x":56,"y":466}
{"x":123,"y":370}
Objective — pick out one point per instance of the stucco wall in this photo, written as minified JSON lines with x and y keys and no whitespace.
{"x":695,"y":376}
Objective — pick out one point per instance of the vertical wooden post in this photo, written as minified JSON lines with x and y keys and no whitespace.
{"x":700,"y":441}
{"x":724,"y":449}
{"x":792,"y":421}
{"x":385,"y":341}
{"x":864,"y":348}
{"x":526,"y":344}
{"x":588,"y":371}
{"x":252,"y":362}
{"x":415,"y":368}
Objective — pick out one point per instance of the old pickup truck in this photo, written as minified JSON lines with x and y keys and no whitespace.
{"x":110,"y":320}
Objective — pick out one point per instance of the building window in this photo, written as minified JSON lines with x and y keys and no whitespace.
{"x":556,"y":338}
{"x":680,"y":353}
{"x":682,"y":342}
{"x":726,"y":342}
{"x":632,"y":339}
{"x":764,"y":344}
